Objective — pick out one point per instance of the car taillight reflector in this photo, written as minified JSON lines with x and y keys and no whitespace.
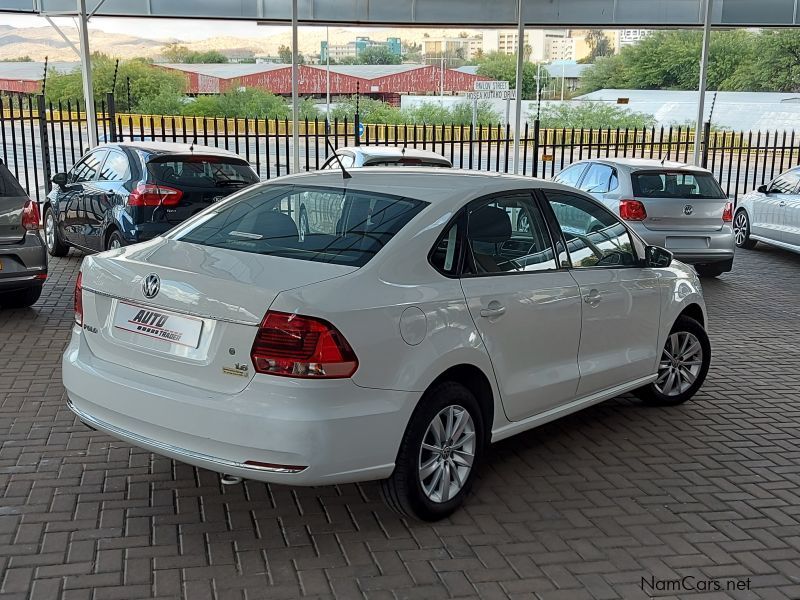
{"x":632,"y":210}
{"x":149,"y":194}
{"x":30,"y":215}
{"x":293,"y":345}
{"x":727,"y":213}
{"x":79,"y":299}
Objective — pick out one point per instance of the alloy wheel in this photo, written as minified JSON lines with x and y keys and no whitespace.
{"x":114,"y":244}
{"x":740,"y":228}
{"x":50,"y":231}
{"x":680,"y":363}
{"x":447,"y":453}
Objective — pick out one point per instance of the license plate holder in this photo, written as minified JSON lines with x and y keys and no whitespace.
{"x":159,"y":324}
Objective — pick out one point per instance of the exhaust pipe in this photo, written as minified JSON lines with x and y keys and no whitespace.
{"x":226,"y":479}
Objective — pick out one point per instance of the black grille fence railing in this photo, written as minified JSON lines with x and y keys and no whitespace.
{"x":39,"y":139}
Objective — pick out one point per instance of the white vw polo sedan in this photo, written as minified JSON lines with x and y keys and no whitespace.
{"x":413,"y":327}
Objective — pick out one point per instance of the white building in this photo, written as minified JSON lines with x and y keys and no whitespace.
{"x":465,"y":47}
{"x":629,"y":37}
{"x":545,"y":44}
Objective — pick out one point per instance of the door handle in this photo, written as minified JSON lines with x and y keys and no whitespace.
{"x":782,"y":203}
{"x":495,"y":309}
{"x":592,"y":298}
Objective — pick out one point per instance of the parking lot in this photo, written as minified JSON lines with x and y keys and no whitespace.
{"x":586,"y":507}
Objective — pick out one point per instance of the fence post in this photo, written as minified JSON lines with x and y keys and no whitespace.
{"x":44,"y":143}
{"x":706,"y":142}
{"x":535,"y":166}
{"x":112,"y":116}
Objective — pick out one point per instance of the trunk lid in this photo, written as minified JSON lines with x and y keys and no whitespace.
{"x":200,"y":325}
{"x":12,"y":201}
{"x":201,"y":179}
{"x":679,"y":200}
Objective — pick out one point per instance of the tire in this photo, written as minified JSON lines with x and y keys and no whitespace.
{"x":404,"y":490}
{"x":741,"y":231}
{"x":21,"y":298}
{"x":52,"y":238}
{"x":302,"y":222}
{"x":714,"y":269}
{"x":523,"y":226}
{"x":115,"y":241}
{"x":658,"y":393}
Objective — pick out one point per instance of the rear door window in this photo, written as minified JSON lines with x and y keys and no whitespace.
{"x":571,"y":175}
{"x":598,"y":179}
{"x":340,"y":226}
{"x":676,"y":184}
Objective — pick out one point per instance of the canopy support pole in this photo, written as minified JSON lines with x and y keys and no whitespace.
{"x":295,"y":106}
{"x":698,"y":130}
{"x":518,"y":100}
{"x":86,"y":74}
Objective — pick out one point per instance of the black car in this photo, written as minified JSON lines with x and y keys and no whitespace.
{"x":129,"y":192}
{"x":23,"y":259}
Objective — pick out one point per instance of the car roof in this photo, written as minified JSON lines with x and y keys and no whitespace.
{"x":641,"y":164}
{"x":393,"y":152}
{"x":172,"y":148}
{"x":431,"y":184}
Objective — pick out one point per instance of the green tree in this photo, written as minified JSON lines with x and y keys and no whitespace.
{"x":503,"y":67}
{"x":146,"y":83}
{"x":591,"y":115}
{"x":599,"y":44}
{"x":25,"y":58}
{"x":378,"y":55}
{"x":285,"y":55}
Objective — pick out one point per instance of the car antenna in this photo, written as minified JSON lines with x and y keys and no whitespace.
{"x":345,"y":174}
{"x":663,"y":160}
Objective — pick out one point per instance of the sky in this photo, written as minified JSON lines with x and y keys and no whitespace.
{"x":156,"y":28}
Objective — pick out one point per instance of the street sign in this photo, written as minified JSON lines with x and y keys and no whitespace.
{"x":490,"y":86}
{"x":547,"y":158}
{"x":360,"y":129}
{"x":493,"y":95}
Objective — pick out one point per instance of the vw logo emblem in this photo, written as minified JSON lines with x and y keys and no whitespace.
{"x":151,"y":285}
{"x":688,"y":209}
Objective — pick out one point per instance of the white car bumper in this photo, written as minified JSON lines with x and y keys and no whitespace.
{"x":339,"y":432}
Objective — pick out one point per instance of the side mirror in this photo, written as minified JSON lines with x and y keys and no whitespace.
{"x":762,"y":189}
{"x":657,"y":257}
{"x":60,"y":179}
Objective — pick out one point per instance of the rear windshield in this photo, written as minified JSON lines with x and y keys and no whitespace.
{"x":9,"y":186}
{"x":344,"y":227}
{"x":200,"y":171}
{"x":675,"y":184}
{"x":406,"y":162}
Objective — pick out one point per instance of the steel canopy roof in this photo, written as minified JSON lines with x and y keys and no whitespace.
{"x":475,"y":13}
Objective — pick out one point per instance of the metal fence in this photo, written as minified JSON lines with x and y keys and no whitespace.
{"x":39,"y":139}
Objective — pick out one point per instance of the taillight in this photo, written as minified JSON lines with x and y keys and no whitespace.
{"x":298,"y":346}
{"x":150,"y":194}
{"x":30,"y":215}
{"x":79,"y":299}
{"x":632,"y":210}
{"x":727,"y":213}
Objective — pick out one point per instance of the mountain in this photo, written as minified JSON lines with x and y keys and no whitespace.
{"x":38,"y":42}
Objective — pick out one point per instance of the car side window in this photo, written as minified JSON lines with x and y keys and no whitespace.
{"x":116,"y":167}
{"x":88,"y":168}
{"x":444,"y":256}
{"x":597,"y":179}
{"x":785,"y":184}
{"x":507,"y":234}
{"x":571,"y":175}
{"x":594,"y":236}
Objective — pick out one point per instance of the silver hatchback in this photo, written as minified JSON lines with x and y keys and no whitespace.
{"x":673,"y":205}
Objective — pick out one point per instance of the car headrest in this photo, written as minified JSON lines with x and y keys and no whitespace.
{"x":275,"y":225}
{"x":652,"y":183}
{"x":489,"y":224}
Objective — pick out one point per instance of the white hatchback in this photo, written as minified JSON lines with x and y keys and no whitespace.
{"x":413,"y":327}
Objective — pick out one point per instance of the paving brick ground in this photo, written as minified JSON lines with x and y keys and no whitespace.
{"x":582,"y":508}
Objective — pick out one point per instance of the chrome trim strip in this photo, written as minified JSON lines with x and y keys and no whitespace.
{"x":139,"y":439}
{"x":147,"y":303}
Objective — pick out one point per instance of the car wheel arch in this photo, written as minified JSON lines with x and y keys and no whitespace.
{"x":693,"y":311}
{"x":110,"y":229}
{"x":476,"y":381}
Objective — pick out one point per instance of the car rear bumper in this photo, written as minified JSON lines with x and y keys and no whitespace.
{"x":310,"y":432}
{"x":24,"y":264}
{"x":693,"y":247}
